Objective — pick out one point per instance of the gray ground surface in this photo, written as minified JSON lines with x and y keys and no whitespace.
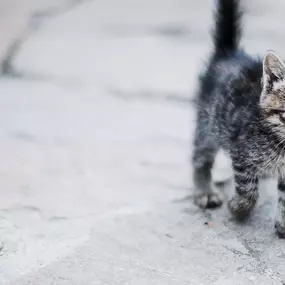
{"x":95,"y":145}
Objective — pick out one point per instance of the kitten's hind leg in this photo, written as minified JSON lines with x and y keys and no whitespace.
{"x":280,"y":217}
{"x":246,"y":193}
{"x":203,"y":160}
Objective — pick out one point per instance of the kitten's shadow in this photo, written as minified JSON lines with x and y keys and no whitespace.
{"x":266,"y":206}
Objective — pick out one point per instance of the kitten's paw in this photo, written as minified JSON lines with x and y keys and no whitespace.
{"x":280,"y":228}
{"x":240,"y":207}
{"x":206,"y":201}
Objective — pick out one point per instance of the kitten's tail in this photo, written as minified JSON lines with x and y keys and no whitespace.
{"x":228,"y":27}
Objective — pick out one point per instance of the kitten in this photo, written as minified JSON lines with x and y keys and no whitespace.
{"x":241,"y":108}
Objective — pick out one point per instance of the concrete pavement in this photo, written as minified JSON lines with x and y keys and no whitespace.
{"x":95,"y":146}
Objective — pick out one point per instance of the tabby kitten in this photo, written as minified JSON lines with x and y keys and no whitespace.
{"x":241,"y":108}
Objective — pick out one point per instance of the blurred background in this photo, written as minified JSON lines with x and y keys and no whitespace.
{"x":96,"y":119}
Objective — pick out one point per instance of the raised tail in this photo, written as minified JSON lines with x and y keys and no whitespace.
{"x":228,"y":27}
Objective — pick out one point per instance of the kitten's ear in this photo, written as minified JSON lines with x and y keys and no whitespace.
{"x":273,"y":70}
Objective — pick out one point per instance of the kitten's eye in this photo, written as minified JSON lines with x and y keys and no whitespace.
{"x":280,"y":112}
{"x":275,"y":111}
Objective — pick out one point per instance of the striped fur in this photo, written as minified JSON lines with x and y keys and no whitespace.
{"x":241,"y":108}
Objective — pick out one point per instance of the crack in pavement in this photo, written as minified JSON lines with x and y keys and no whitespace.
{"x":56,"y":11}
{"x":35,"y":22}
{"x":151,"y":95}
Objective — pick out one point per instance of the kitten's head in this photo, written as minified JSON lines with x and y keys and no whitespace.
{"x":272,"y":100}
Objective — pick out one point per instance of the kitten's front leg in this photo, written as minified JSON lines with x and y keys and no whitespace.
{"x":280,"y":217}
{"x":246,"y":192}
